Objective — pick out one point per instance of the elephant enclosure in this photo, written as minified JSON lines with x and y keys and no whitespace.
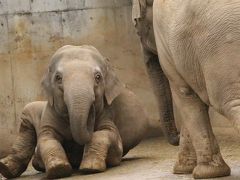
{"x":32,"y":30}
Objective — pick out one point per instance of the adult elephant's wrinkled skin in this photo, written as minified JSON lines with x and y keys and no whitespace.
{"x":196,"y":44}
{"x":90,"y":118}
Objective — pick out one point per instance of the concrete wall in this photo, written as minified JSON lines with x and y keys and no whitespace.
{"x":30,"y":32}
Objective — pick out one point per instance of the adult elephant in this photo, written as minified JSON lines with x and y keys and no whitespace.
{"x":88,"y":108}
{"x":198,"y":44}
{"x":142,"y":19}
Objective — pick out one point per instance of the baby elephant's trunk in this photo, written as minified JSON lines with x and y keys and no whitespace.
{"x":81,"y":111}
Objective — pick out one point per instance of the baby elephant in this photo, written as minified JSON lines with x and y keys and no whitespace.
{"x":89,"y":118}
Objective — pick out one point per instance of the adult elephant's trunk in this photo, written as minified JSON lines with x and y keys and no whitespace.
{"x":164,"y":98}
{"x":80,"y":99}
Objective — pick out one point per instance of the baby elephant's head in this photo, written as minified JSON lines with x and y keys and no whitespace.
{"x":78,"y":81}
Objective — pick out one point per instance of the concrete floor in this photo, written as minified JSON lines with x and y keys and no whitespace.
{"x":154,"y":159}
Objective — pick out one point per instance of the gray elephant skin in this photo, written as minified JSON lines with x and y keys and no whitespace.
{"x":197,"y":44}
{"x":90,"y":118}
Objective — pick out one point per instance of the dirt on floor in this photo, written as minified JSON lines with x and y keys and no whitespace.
{"x":154,"y":159}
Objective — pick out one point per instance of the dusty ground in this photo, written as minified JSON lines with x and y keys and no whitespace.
{"x":154,"y":159}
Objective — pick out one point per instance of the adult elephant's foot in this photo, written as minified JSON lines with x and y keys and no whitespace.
{"x":10,"y":167}
{"x":216,"y":168}
{"x":187,"y":159}
{"x":58,"y":168}
{"x":185,"y":165}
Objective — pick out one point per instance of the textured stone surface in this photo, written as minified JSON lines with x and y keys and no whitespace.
{"x":7,"y":103}
{"x":32,"y":6}
{"x":48,"y":5}
{"x":99,"y":3}
{"x":18,"y":6}
{"x":3,"y":7}
{"x":75,"y":4}
{"x":3,"y":35}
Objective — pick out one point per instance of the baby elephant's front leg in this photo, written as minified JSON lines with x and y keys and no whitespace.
{"x":105,"y":148}
{"x":53,"y":156}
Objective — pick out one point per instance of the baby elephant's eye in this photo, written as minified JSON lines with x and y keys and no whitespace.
{"x":58,"y":79}
{"x":98,"y":77}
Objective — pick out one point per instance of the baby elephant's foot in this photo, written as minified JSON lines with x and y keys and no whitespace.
{"x":11,"y":167}
{"x":58,"y":168}
{"x":93,"y":164}
{"x":213,"y":169}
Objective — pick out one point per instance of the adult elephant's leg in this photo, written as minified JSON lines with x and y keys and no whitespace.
{"x":187,"y":159}
{"x":22,"y":150}
{"x":195,"y":118}
{"x":105,"y":148}
{"x":217,"y":165}
{"x":53,"y":155}
{"x":162,"y":92}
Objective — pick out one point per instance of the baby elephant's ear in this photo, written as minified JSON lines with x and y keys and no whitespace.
{"x":46,"y":84}
{"x":113,"y":86}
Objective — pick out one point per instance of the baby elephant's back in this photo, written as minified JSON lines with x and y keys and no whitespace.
{"x":130,"y":118}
